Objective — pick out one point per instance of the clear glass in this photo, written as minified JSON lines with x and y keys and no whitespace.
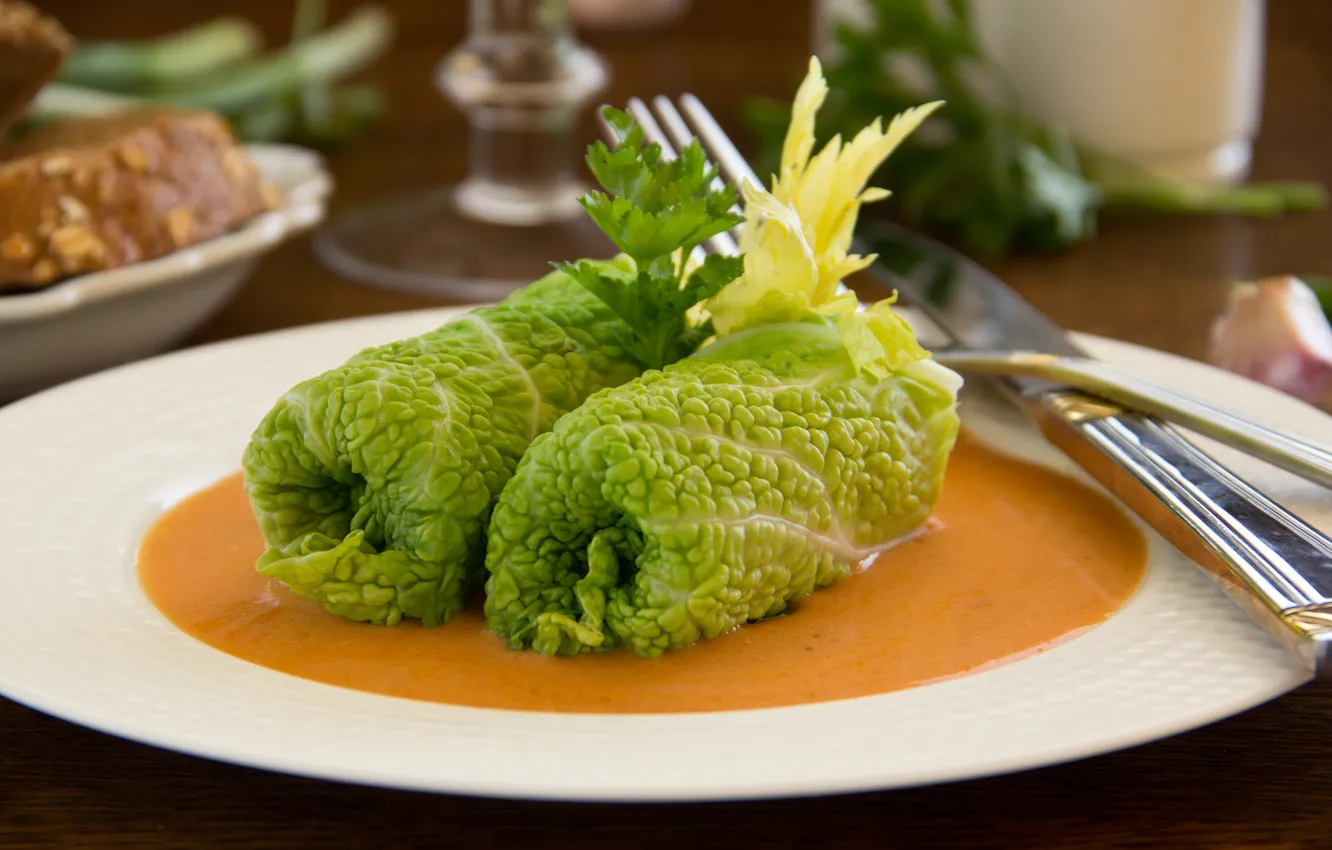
{"x":522,"y":80}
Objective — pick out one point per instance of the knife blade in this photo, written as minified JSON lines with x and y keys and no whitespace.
{"x":1272,"y":564}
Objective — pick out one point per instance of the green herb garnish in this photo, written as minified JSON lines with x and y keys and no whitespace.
{"x":657,"y":212}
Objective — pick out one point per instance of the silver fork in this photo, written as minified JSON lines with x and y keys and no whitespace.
{"x":1283,"y":450}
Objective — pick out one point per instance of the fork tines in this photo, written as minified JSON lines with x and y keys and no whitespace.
{"x":677,"y":134}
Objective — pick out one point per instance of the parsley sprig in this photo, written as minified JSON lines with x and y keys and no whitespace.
{"x":656,"y":211}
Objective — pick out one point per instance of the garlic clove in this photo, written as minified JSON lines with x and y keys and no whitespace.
{"x":1274,"y":331}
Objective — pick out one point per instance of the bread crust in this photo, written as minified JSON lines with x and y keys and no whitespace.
{"x":100,"y":193}
{"x":32,"y":49}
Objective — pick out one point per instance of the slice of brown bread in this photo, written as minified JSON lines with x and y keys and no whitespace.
{"x":105,"y":192}
{"x":32,"y":49}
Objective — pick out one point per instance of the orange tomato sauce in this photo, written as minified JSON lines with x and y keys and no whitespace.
{"x":1020,"y":559}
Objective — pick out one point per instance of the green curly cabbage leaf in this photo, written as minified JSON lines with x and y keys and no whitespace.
{"x":372,"y":482}
{"x":715,"y":492}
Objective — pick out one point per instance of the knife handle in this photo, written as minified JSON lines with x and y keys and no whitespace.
{"x":1273,"y":565}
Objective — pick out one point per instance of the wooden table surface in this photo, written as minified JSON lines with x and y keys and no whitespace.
{"x":1261,"y":779}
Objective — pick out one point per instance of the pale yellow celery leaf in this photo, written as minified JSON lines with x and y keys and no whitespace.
{"x":830,"y":194}
{"x":797,"y":237}
{"x":769,"y":210}
{"x":780,"y":270}
{"x":782,"y":281}
{"x":750,"y":229}
{"x":833,"y":270}
{"x":846,"y":302}
{"x":828,"y":189}
{"x":804,"y":110}
{"x":880,"y":341}
{"x":811,"y":192}
{"x":821,"y":172}
{"x":772,"y":289}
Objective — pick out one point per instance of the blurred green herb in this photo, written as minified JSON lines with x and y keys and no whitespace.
{"x":293,"y":93}
{"x":978,"y":172}
{"x":132,"y":66}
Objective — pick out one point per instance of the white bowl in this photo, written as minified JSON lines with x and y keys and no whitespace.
{"x":106,"y":319}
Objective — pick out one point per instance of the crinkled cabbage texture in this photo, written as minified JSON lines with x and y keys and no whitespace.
{"x":372,"y":482}
{"x":714,"y":492}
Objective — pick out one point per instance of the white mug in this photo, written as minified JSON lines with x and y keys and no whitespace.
{"x":1173,"y":85}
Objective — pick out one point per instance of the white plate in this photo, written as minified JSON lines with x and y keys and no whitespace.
{"x":103,"y":319}
{"x":85,"y":468}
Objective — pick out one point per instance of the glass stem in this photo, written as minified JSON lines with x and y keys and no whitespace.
{"x":522,"y":80}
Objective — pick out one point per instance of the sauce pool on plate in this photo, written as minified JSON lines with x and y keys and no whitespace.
{"x":1020,"y":558}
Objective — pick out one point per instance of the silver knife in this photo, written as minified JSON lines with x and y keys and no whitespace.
{"x":1276,"y":567}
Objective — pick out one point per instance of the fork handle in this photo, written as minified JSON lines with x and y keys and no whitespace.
{"x":1279,"y":448}
{"x":1268,"y":561}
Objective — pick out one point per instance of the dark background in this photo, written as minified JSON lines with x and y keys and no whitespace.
{"x":1262,"y":779}
{"x":1153,"y":281}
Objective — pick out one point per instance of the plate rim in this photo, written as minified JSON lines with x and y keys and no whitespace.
{"x":538,"y":791}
